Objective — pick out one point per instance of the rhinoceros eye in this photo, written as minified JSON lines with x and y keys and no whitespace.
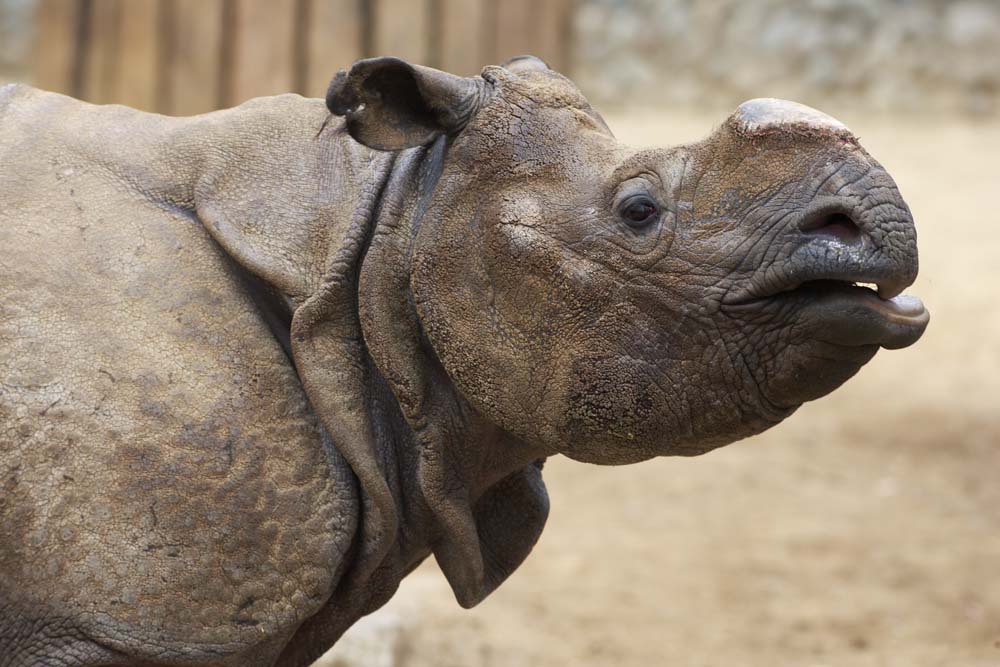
{"x":639,"y":211}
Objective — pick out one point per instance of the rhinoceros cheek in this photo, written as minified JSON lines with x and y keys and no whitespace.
{"x":613,"y":412}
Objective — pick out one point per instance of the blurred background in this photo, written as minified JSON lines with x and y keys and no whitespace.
{"x":189,"y":56}
{"x":865,"y":530}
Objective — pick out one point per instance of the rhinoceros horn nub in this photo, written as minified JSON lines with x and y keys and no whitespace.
{"x":768,"y":115}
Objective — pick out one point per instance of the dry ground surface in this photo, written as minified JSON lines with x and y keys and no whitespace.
{"x":862,"y":532}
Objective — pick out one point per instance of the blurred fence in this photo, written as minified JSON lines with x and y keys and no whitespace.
{"x":190,"y":56}
{"x":186,"y":56}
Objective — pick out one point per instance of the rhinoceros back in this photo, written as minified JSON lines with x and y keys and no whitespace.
{"x":164,"y":486}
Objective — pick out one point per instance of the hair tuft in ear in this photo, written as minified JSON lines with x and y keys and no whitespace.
{"x":340,"y":98}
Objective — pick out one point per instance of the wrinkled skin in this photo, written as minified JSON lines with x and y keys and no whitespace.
{"x":256,"y":365}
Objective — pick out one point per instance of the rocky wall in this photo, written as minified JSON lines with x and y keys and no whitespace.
{"x":885,"y":55}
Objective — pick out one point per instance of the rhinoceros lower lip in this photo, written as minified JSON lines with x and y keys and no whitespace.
{"x":852,"y":313}
{"x":887,"y":296}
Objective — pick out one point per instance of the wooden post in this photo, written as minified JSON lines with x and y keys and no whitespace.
{"x":57,"y":61}
{"x":263,"y":50}
{"x":191,"y":72}
{"x":100,"y":69}
{"x":515,"y":28}
{"x":402,"y":29}
{"x":463,"y":48}
{"x":139,"y":47}
{"x":552,"y":36}
{"x":335,"y":32}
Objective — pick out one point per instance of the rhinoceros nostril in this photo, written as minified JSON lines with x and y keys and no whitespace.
{"x":837,"y":224}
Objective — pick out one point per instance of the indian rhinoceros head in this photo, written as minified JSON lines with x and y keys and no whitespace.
{"x":615,"y":304}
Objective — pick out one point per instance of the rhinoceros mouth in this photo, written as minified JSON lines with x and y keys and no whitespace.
{"x":851,"y":312}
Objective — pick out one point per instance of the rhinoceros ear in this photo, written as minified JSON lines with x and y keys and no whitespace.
{"x":390,"y":104}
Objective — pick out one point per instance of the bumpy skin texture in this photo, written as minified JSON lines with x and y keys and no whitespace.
{"x":166,"y":488}
{"x":256,"y":365}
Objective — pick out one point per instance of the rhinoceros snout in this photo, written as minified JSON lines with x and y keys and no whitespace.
{"x":860,"y":241}
{"x":844,"y":262}
{"x":842,"y":222}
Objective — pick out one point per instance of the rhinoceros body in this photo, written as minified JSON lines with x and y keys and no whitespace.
{"x":256,"y":365}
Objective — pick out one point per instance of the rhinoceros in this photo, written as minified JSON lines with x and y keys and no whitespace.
{"x":256,"y":365}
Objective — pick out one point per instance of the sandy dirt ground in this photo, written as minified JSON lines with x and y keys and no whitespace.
{"x":862,"y":532}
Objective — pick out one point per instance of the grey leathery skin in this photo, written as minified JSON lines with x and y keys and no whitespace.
{"x":256,"y":365}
